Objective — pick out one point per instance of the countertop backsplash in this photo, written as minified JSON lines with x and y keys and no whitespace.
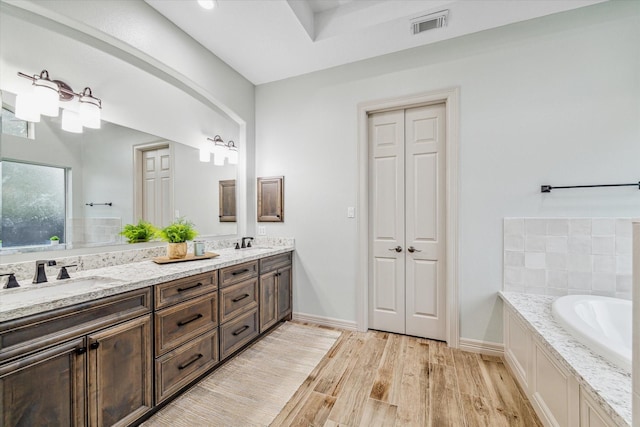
{"x":25,"y":270}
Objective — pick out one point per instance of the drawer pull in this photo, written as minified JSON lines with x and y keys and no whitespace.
{"x":81,"y":350}
{"x":94,"y":345}
{"x":240,"y":298}
{"x":190,"y":287}
{"x":193,"y":360}
{"x":241,"y":330}
{"x":244,"y":270}
{"x":192,"y":319}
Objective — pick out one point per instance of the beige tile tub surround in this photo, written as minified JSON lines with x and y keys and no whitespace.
{"x":560,"y":256}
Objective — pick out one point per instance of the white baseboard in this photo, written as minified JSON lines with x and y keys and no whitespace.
{"x":484,"y":347}
{"x":326,"y":321}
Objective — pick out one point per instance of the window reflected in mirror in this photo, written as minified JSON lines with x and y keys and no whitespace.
{"x":33,"y":204}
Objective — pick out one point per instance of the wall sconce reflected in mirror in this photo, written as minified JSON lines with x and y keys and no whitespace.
{"x":220,"y":151}
{"x":44,"y":98}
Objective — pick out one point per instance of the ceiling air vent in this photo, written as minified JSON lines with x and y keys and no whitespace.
{"x":429,"y":22}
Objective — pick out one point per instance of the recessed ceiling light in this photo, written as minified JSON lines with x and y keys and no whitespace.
{"x":207,"y":4}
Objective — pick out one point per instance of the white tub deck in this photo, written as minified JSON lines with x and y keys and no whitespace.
{"x":607,"y":382}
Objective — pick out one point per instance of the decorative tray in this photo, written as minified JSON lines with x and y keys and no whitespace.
{"x":189,"y":257}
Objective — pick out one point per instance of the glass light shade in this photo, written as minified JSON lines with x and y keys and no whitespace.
{"x":47,"y":96}
{"x":27,"y":107}
{"x":205,"y":155}
{"x":90,"y":112}
{"x":232,"y":155}
{"x":218,"y":160}
{"x":207,"y":4}
{"x":71,"y":121}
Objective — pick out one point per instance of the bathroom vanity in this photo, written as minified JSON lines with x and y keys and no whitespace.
{"x":112,"y":354}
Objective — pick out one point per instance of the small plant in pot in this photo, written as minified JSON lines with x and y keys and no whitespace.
{"x":177,"y":234}
{"x":54,"y":240}
{"x":143,"y":231}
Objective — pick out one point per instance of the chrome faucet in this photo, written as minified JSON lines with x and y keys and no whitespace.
{"x":41,"y":275}
{"x":247,"y":245}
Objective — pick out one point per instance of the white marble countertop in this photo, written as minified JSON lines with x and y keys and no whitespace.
{"x":609,"y":384}
{"x":32,"y":299}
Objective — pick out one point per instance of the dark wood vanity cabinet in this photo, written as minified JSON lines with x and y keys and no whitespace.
{"x":238,"y":307}
{"x":186,"y":332}
{"x":120,"y":373}
{"x":65,"y":367}
{"x":275,"y":289}
{"x":111,"y":361}
{"x":45,"y":388}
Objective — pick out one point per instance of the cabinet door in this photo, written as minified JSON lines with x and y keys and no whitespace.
{"x":284,"y":292}
{"x":120,"y":373}
{"x":268,"y":302}
{"x":46,"y":388}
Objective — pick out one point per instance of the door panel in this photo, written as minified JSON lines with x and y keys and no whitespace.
{"x":157,"y":186}
{"x":386,"y":269}
{"x":425,"y":208}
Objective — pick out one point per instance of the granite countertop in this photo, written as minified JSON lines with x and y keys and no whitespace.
{"x":32,"y":299}
{"x":609,"y":384}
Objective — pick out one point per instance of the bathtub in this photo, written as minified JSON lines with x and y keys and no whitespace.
{"x":601,"y":323}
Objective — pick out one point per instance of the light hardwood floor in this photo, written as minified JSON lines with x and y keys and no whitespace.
{"x":382,"y":379}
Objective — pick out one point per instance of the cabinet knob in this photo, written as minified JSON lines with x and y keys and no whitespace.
{"x":94,"y":345}
{"x":81,"y":350}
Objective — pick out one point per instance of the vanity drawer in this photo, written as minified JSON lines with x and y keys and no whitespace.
{"x":274,"y":262}
{"x":176,"y":291}
{"x":237,"y":299}
{"x":238,"y":332}
{"x":180,"y":323}
{"x":238,"y":273}
{"x":177,"y":368}
{"x":26,"y":334}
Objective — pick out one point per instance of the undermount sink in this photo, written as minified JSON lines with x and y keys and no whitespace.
{"x":62,"y":287}
{"x":255,"y":247}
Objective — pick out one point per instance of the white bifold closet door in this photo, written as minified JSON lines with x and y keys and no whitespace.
{"x":156,"y":186}
{"x":407,"y":221}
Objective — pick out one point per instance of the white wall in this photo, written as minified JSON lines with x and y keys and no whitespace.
{"x":553,"y":101}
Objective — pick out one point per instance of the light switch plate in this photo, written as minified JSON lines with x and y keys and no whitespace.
{"x":262,"y":231}
{"x":351,"y":212}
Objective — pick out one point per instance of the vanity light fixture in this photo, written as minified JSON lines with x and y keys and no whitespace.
{"x":220,"y":150}
{"x":44,"y":98}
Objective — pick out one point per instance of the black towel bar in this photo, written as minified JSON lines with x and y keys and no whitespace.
{"x":99,"y":204}
{"x":548,"y":188}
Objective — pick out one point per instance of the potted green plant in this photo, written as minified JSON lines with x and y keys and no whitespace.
{"x":177,"y":234}
{"x":54,"y":240}
{"x":143,"y":231}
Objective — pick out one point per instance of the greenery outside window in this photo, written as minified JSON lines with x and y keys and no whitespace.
{"x":11,"y":125}
{"x":33,"y":204}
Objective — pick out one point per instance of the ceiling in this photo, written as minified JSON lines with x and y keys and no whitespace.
{"x":269,"y":40}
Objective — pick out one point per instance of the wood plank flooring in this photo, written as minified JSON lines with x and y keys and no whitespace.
{"x":382,"y":379}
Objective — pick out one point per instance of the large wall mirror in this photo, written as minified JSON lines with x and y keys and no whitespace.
{"x":85,"y":187}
